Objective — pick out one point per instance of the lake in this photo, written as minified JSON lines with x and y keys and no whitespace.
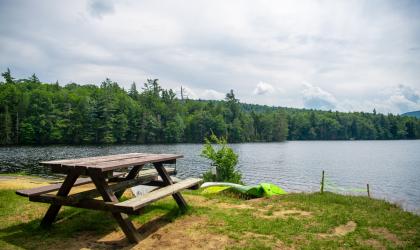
{"x":392,"y":168}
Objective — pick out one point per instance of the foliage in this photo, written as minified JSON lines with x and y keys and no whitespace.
{"x":223,"y":158}
{"x":328,"y":125}
{"x":38,"y":113}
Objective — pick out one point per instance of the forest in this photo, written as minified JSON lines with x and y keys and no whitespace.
{"x":36,"y":113}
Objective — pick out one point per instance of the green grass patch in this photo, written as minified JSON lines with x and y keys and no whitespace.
{"x":20,"y":173}
{"x":302,"y":221}
{"x":379,"y":223}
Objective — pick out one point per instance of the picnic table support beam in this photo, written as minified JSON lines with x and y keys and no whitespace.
{"x":108,"y":196}
{"x":63,"y":191}
{"x":131,"y":175}
{"x":168,"y":181}
{"x":68,"y":201}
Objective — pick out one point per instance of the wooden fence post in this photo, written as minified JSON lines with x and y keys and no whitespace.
{"x":322,"y":182}
{"x":368,"y":191}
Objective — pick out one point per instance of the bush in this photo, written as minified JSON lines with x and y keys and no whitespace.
{"x":223,"y":158}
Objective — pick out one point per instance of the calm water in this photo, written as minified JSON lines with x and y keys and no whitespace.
{"x":392,"y":168}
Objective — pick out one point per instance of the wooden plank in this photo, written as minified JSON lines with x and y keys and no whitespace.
{"x":146,"y":172}
{"x":145,"y":176}
{"x":55,"y":187}
{"x":108,"y":196}
{"x":63,"y":191}
{"x":106,"y":159}
{"x":168,"y":181}
{"x":98,"y":159}
{"x":149,"y":158}
{"x":160,"y":183}
{"x":110,"y":165}
{"x":66,"y":165}
{"x":86,"y":159}
{"x":130,"y":206}
{"x":66,"y":170}
{"x":131,"y":175}
{"x":69,"y":201}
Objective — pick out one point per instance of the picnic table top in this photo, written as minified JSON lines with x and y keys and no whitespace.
{"x":111,"y":162}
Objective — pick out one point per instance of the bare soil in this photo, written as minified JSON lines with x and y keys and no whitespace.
{"x":342,"y":230}
{"x":386,"y":234}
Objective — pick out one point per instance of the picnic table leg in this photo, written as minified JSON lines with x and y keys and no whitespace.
{"x":168,"y":181}
{"x":63,"y":191}
{"x":107,"y":195}
{"x":131,"y":175}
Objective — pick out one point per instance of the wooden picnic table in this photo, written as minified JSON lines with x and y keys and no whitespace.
{"x":110,"y":185}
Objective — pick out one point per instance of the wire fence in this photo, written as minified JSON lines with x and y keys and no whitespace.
{"x":328,"y":185}
{"x":333,"y":187}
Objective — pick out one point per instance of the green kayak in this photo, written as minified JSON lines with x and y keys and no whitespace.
{"x":260,"y":190}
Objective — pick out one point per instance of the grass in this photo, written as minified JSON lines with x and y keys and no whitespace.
{"x":300,"y":221}
{"x":20,"y":173}
{"x":328,"y":211}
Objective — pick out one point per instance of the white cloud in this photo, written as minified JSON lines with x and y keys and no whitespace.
{"x":203,"y":94}
{"x":211,"y":94}
{"x":402,"y":104}
{"x":409,"y":93}
{"x":353,"y":49}
{"x":263,"y":88}
{"x":404,"y":99}
{"x":316,"y":98}
{"x":397,"y":99}
{"x":187,"y":93}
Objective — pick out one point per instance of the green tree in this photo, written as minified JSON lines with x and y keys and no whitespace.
{"x":27,"y":133}
{"x":232,"y":105}
{"x":133,"y":93}
{"x":174,"y":130}
{"x":6,"y":127}
{"x":223,"y":158}
{"x":8,"y":77}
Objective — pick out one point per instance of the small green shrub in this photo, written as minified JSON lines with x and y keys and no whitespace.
{"x":223,"y":158}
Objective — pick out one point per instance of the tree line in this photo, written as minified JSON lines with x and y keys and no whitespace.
{"x":328,"y":125}
{"x":32,"y":112}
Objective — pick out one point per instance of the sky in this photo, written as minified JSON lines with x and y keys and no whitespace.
{"x":339,"y":55}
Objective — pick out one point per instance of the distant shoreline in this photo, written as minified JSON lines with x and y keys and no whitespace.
{"x":178,"y":143}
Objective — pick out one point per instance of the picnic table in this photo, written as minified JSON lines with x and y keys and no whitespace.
{"x":110,"y":185}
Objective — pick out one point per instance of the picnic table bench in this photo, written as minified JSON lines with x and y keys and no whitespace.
{"x":110,"y":185}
